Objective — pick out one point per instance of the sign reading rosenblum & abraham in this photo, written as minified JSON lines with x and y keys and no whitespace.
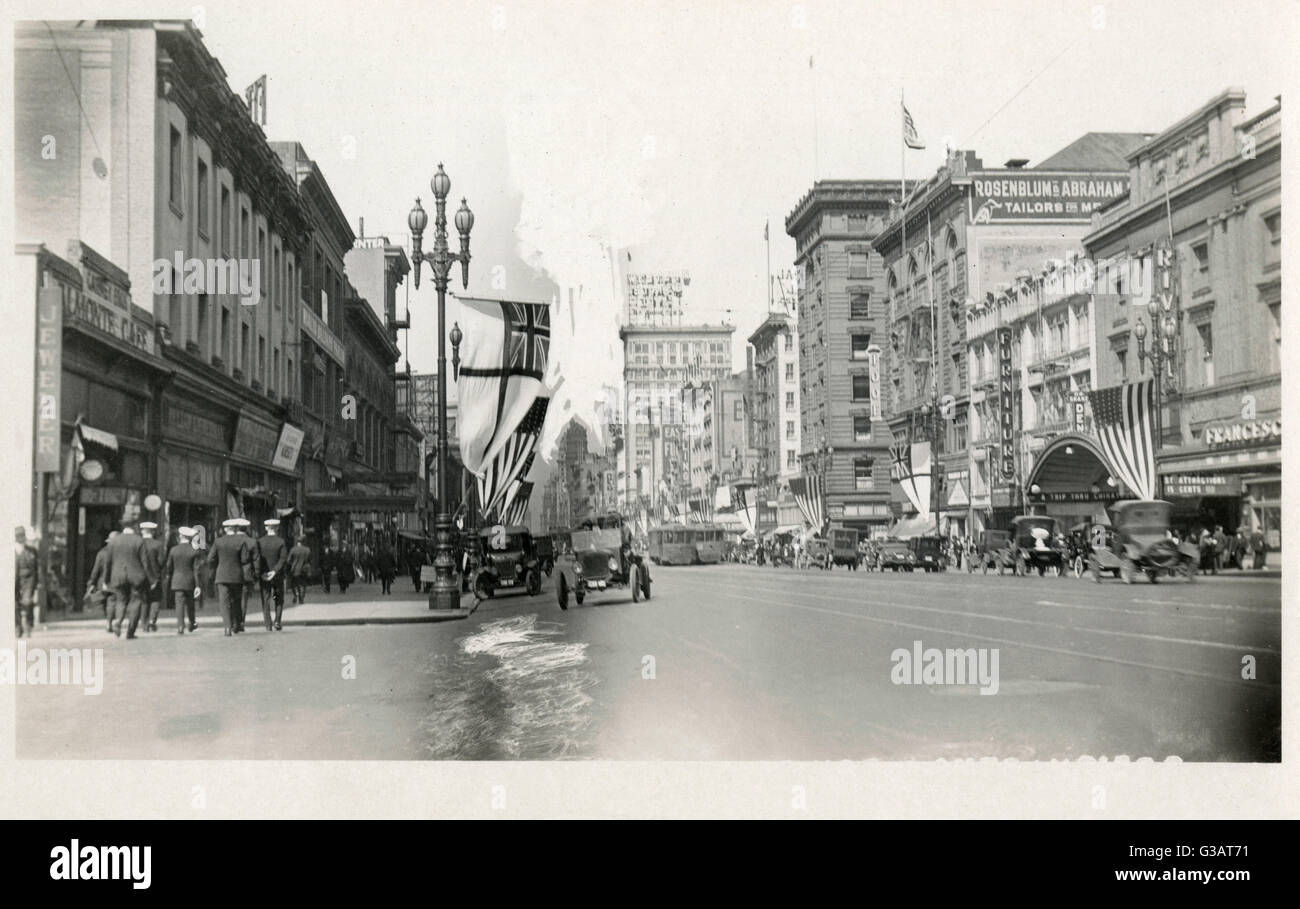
{"x":1003,"y":196}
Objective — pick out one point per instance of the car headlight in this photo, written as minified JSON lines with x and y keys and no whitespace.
{"x":613,"y":564}
{"x":577,"y":568}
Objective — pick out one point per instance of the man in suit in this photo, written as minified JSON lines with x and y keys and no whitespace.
{"x":250,"y":570}
{"x":272,"y":556}
{"x":299,"y":571}
{"x":128,"y":575}
{"x":229,"y":562}
{"x":183,"y":574}
{"x":154,"y":552}
{"x":97,"y":586}
{"x":328,"y":559}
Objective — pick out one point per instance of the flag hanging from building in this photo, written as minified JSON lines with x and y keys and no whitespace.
{"x":508,"y":499}
{"x":911,"y":138}
{"x":906,"y":472}
{"x":1124,"y":420}
{"x":807,"y":492}
{"x":503,"y":360}
{"x":511,"y":461}
{"x":517,"y":510}
{"x":743,"y":502}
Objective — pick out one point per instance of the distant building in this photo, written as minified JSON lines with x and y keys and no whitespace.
{"x":775,"y":423}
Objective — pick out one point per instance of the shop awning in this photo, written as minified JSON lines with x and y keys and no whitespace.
{"x":97,"y":436}
{"x":916,"y":526}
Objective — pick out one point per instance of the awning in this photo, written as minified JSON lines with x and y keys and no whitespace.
{"x":97,"y":436}
{"x":913,"y":527}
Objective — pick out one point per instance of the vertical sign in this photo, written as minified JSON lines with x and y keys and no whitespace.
{"x":1006,"y":404}
{"x":49,"y":365}
{"x":1166,"y":295}
{"x":873,"y":376}
{"x":1079,"y":405}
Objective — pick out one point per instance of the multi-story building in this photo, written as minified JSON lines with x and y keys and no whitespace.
{"x":841,"y":318}
{"x":183,"y":239}
{"x":1212,"y":181}
{"x":418,"y":399}
{"x":658,"y":360}
{"x":775,"y":421}
{"x":718,"y":450}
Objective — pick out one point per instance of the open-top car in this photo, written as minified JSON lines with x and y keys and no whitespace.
{"x":508,"y":560}
{"x":600,"y":557}
{"x":895,"y":555}
{"x":1139,"y":542}
{"x":1034,"y":538}
{"x":995,"y":549}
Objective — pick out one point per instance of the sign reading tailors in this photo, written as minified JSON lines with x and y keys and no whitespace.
{"x":287,"y":449}
{"x":1006,"y":404}
{"x":1028,"y":196}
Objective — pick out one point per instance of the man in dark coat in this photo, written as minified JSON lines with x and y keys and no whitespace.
{"x":229,"y":561}
{"x":129,"y":576}
{"x":183,"y":575}
{"x":153,"y":551}
{"x":1259,"y":546}
{"x":346,"y":569}
{"x":386,"y":568}
{"x":299,"y":571}
{"x":97,"y":586}
{"x":26,"y":580}
{"x":250,"y":569}
{"x":328,"y":561}
{"x":272,"y":556}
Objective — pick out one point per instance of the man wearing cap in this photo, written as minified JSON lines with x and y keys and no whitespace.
{"x":272,"y":555}
{"x":129,"y":576}
{"x":97,"y":586}
{"x":154,"y":551}
{"x":229,"y":563}
{"x":184,"y":573}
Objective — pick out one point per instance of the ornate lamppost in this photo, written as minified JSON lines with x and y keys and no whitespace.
{"x":1162,"y":365}
{"x":446,"y":592}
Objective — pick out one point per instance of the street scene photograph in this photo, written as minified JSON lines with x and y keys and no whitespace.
{"x":489,"y":381}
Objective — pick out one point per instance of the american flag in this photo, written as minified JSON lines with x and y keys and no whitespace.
{"x":517,"y":509}
{"x":807,"y":492}
{"x":510,"y":461}
{"x":1124,"y":420}
{"x":508,"y":499}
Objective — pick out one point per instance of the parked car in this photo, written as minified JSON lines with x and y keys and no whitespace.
{"x":600,"y":557}
{"x":928,"y":552}
{"x":509,"y":559}
{"x":545,"y":547}
{"x":819,"y":553}
{"x":844,"y":547}
{"x":1034,"y":537}
{"x":1139,"y":542}
{"x":895,"y":555}
{"x":994,"y":551}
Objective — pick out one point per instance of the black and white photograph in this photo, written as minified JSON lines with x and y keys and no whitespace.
{"x":467,"y":387}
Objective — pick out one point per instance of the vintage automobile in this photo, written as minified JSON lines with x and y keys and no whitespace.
{"x":1138,"y":542}
{"x":928,"y":552}
{"x":994,"y":550}
{"x":509,"y":559}
{"x":600,"y":557}
{"x":844,"y":547}
{"x":1034,"y":539}
{"x":819,"y":553}
{"x":895,"y":555}
{"x":545,"y":548}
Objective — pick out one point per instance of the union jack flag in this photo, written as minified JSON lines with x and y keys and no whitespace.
{"x":512,"y":460}
{"x":1124,"y":419}
{"x":528,"y":328}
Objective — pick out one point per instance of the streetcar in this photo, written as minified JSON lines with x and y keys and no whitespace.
{"x":687,"y":544}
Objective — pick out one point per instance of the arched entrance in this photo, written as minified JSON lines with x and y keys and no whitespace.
{"x":1071,"y":482}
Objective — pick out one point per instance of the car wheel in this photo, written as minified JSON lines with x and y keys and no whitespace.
{"x":1126,"y":573}
{"x":579,"y":595}
{"x":482,"y":588}
{"x":1152,"y":574}
{"x":1042,"y":570}
{"x":562,"y":593}
{"x":634,"y":581}
{"x":645,"y":585}
{"x":534,"y":582}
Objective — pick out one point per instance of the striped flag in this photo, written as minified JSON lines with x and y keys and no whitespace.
{"x":911,"y":138}
{"x":508,"y":499}
{"x":1124,"y":419}
{"x":511,"y":460}
{"x":515,"y":512}
{"x":807,"y":492}
{"x":743,"y":502}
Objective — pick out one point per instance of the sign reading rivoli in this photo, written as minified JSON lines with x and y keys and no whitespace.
{"x":1006,"y":404}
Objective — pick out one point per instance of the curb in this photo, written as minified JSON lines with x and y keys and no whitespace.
{"x":431,"y":616}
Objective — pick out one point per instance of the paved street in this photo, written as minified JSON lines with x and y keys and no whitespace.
{"x":747,"y":663}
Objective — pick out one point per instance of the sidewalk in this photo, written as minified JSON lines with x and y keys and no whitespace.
{"x":362,"y":605}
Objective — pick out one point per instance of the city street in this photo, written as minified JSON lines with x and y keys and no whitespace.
{"x":724,"y":662}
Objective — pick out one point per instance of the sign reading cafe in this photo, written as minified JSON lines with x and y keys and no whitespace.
{"x":1006,"y":404}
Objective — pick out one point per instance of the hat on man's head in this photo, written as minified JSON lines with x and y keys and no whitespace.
{"x":186,"y":532}
{"x":242,"y":522}
{"x":271,"y":522}
{"x":148,"y":525}
{"x":230,"y":522}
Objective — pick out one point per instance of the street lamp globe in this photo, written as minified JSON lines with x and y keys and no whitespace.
{"x":418,"y":219}
{"x":1035,"y":489}
{"x":1140,"y":330}
{"x":464,"y":218}
{"x":441,"y":183}
{"x":456,"y":335}
{"x":1170,"y":327}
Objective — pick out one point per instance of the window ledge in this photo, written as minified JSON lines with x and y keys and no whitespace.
{"x":176,"y":209}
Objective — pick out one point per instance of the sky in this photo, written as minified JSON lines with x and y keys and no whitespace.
{"x":673,"y":131}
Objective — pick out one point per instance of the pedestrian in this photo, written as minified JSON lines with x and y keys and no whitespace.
{"x":155,"y":553}
{"x":385,"y":566}
{"x":229,"y":559}
{"x":328,"y":561}
{"x":183,"y":576}
{"x":272,"y":556}
{"x":1220,"y":546}
{"x":1239,"y":546}
{"x":346,"y":568}
{"x":97,"y":586}
{"x":26,"y":580}
{"x":129,"y":576}
{"x":299,"y":571}
{"x":1208,"y":559}
{"x":1260,"y":548}
{"x":414,"y":562}
{"x":242,"y":526}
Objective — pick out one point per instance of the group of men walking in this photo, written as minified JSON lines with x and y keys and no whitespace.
{"x":133,"y":571}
